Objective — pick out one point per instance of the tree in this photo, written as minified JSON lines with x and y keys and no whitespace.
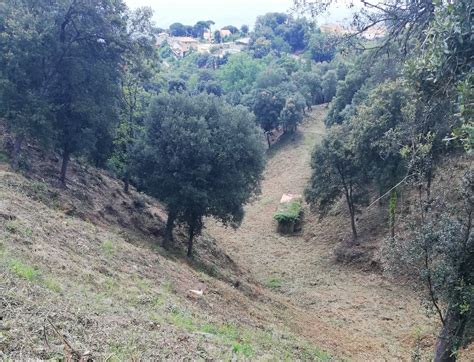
{"x":438,"y":252}
{"x":139,"y":70}
{"x":328,"y":84}
{"x":217,"y":37}
{"x":200,"y":157}
{"x":244,"y":29}
{"x":240,"y":73}
{"x":271,"y":77}
{"x":296,"y":34}
{"x":90,"y":40}
{"x":267,"y":107}
{"x":200,"y":27}
{"x":291,"y":116}
{"x":22,"y":87}
{"x":380,"y":126}
{"x":233,"y":29}
{"x":322,"y":46}
{"x":178,"y":29}
{"x":261,"y":47}
{"x":336,"y":172}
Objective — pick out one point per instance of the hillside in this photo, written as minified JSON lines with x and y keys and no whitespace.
{"x":81,"y":268}
{"x":82,"y":273}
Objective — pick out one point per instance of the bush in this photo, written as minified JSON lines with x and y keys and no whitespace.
{"x":288,"y":212}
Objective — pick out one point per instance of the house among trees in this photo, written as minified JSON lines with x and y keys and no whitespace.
{"x":207,"y":36}
{"x":225,"y":32}
{"x":182,"y":45}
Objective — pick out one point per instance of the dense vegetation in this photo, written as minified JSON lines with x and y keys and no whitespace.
{"x":404,"y":106}
{"x":86,"y":79}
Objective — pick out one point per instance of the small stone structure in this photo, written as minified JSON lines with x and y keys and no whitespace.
{"x":289,"y":214}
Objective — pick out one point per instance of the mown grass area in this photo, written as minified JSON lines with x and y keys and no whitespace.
{"x":23,"y":270}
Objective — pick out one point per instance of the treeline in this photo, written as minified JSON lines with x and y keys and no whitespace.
{"x":85,"y":79}
{"x":277,"y":89}
{"x":81,"y":78}
{"x":404,"y":106}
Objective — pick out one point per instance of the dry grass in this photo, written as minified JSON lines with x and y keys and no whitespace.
{"x":353,"y":312}
{"x":87,"y":259}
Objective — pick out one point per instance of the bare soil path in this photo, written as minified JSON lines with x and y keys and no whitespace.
{"x":349,"y":312}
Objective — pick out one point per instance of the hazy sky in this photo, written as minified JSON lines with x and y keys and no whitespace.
{"x":223,"y":12}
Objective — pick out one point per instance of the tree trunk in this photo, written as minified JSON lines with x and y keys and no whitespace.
{"x":450,"y":335}
{"x":350,"y":205}
{"x":65,"y":163}
{"x":126,"y":185}
{"x":169,"y":230}
{"x":126,"y":182}
{"x":267,"y":135}
{"x":17,"y":151}
{"x":190,"y":241}
{"x":353,"y":225}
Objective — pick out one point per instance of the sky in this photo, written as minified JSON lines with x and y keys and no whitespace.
{"x":222,"y":12}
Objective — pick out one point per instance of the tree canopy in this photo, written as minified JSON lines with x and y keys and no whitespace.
{"x":200,"y":157}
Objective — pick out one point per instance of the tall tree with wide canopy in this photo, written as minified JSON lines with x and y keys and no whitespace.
{"x":200,"y":157}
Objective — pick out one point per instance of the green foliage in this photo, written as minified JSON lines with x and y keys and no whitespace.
{"x":240,"y":72}
{"x":52,"y":285}
{"x":23,"y":270}
{"x":274,"y":283}
{"x":322,"y":46}
{"x":201,"y":157}
{"x":439,"y":252}
{"x":267,"y":108}
{"x":328,"y":85}
{"x":288,"y":212}
{"x":280,"y":33}
{"x":108,"y":248}
{"x":244,"y":349}
{"x":337,"y":170}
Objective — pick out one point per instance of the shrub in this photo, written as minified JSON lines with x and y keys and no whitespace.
{"x":288,"y":212}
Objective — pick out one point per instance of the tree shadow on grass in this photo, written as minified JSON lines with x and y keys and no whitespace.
{"x":286,"y":140}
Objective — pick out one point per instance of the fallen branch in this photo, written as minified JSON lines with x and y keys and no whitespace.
{"x":70,"y":353}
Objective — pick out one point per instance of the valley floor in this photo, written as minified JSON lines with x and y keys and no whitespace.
{"x":81,"y":268}
{"x":357,"y":314}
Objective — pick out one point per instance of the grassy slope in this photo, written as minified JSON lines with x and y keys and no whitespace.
{"x":86,"y":259}
{"x":85,"y":262}
{"x":351,"y":310}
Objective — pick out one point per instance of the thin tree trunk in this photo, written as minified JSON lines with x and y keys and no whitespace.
{"x":353,"y":225}
{"x":350,"y":205}
{"x":169,"y":230}
{"x":64,"y":166}
{"x":449,"y":336}
{"x":126,"y":182}
{"x":190,"y":241}
{"x":17,"y":151}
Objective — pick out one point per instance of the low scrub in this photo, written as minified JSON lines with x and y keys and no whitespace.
{"x":288,"y":212}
